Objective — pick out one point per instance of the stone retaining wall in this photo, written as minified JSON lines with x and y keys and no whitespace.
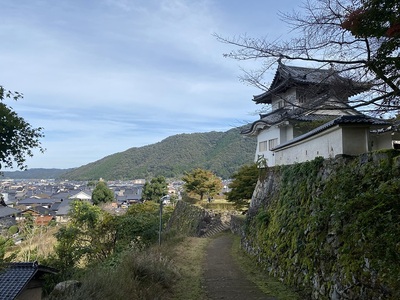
{"x":329,"y":227}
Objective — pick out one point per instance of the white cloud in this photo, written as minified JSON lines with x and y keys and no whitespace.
{"x":104,"y":76}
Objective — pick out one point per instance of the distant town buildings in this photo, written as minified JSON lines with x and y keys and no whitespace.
{"x":49,"y":200}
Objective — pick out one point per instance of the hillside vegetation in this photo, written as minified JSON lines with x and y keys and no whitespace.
{"x":220,"y":152}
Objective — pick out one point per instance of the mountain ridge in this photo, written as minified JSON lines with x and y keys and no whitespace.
{"x":220,"y":152}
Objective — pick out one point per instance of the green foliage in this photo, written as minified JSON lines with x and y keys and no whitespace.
{"x":155,"y":189}
{"x":93,"y":235}
{"x":5,"y":243}
{"x":342,"y":219}
{"x":18,"y":137}
{"x":89,"y":235}
{"x":148,"y":274}
{"x":381,"y":20}
{"x":102,"y":194}
{"x":263,"y":218}
{"x":243,"y":184}
{"x":174,"y":156}
{"x":202,"y":182}
{"x":140,"y":224}
{"x":13,"y":230}
{"x":91,"y":183}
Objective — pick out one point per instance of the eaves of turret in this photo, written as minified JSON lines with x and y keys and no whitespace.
{"x":289,"y":76}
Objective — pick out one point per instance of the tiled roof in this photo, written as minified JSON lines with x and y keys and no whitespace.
{"x":55,"y":206}
{"x":36,"y":201}
{"x":8,"y":211}
{"x":17,"y":275}
{"x":288,"y":76}
{"x":284,"y":114}
{"x":64,"y":208}
{"x":305,"y":113}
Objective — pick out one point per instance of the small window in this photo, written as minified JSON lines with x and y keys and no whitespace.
{"x":272,"y":143}
{"x":301,"y":97}
{"x":262,"y":146}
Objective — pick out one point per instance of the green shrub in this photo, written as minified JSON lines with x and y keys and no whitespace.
{"x":13,"y":230}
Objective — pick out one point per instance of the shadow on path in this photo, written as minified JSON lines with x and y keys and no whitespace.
{"x":223,"y":279}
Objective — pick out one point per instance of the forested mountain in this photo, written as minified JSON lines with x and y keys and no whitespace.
{"x":220,"y":152}
{"x":34,"y":174}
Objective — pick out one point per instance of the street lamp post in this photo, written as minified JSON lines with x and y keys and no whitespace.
{"x":161,"y":208}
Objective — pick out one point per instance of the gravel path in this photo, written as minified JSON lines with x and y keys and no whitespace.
{"x":223,"y":279}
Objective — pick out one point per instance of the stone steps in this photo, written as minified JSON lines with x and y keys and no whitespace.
{"x":215,"y":230}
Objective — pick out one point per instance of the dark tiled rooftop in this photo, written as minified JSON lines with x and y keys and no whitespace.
{"x":8,"y":211}
{"x":16,"y":276}
{"x":287,"y":76}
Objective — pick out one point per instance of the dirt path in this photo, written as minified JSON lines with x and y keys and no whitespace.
{"x":223,"y":279}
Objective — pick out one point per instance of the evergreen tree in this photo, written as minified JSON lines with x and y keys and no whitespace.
{"x":243,"y":185}
{"x":155,"y":189}
{"x":102,"y":193}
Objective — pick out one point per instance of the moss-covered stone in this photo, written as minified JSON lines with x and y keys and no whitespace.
{"x":331,"y":227}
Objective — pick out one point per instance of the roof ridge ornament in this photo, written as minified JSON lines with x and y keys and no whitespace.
{"x":280,"y":59}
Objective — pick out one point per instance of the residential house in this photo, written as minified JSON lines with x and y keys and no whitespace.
{"x":31,"y":202}
{"x":310,"y":117}
{"x":40,"y":215}
{"x":7,"y":216}
{"x":133,"y":194}
{"x":63,"y":210}
{"x":23,"y":281}
{"x":82,"y":195}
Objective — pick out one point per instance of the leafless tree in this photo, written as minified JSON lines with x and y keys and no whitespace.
{"x":349,"y":35}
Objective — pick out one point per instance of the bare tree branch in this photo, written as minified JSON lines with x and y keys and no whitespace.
{"x":325,"y":32}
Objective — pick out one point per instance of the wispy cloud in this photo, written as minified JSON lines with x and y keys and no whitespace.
{"x":104,"y":76}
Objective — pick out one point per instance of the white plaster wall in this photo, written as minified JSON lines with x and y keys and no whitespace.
{"x":326,"y":144}
{"x":287,"y":134}
{"x":266,"y":135}
{"x":329,"y":143}
{"x":355,"y":140}
{"x":381,"y":141}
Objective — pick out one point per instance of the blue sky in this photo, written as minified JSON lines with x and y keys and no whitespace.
{"x":102,"y":76}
